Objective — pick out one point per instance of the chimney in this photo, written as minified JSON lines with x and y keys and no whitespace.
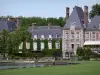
{"x":17,"y":20}
{"x":33,"y":25}
{"x":67,"y":13}
{"x":86,"y":15}
{"x":49,"y":25}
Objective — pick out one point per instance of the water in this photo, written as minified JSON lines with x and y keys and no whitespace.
{"x":19,"y":65}
{"x":13,"y":65}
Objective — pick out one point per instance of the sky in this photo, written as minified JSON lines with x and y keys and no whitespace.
{"x":41,"y":8}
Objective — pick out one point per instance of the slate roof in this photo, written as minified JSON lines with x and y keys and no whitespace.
{"x":7,"y":25}
{"x":43,"y":30}
{"x":11,"y":25}
{"x":94,"y":24}
{"x":3,"y":25}
{"x":76,"y":17}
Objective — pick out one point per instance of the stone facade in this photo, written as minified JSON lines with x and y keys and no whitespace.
{"x":78,"y":30}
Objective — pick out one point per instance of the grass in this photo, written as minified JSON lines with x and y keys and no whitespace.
{"x":85,"y":68}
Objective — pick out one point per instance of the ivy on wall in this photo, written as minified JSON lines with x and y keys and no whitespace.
{"x":53,"y":43}
{"x":31,"y":44}
{"x":38,"y":44}
{"x":45,"y":44}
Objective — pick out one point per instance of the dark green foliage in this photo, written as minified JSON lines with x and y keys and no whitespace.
{"x":57,"y":53}
{"x":38,"y":44}
{"x":61,"y":44}
{"x":52,"y":52}
{"x":95,"y":55}
{"x":95,"y":10}
{"x":53,"y":43}
{"x":80,"y":51}
{"x":4,"y":42}
{"x":31,"y":44}
{"x":46,"y":44}
{"x":84,"y":53}
{"x":25,"y":22}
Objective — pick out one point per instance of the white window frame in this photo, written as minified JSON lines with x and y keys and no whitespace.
{"x":57,"y":45}
{"x":42,"y":45}
{"x":49,"y":45}
{"x":27,"y":45}
{"x":50,"y":36}
{"x":35,"y":37}
{"x":35,"y":46}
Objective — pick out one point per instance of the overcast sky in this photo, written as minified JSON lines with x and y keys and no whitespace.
{"x":42,"y":8}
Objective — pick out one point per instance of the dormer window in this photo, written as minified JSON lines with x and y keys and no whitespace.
{"x":35,"y":36}
{"x":73,"y":26}
{"x":42,"y":36}
{"x":50,"y":36}
{"x":57,"y":35}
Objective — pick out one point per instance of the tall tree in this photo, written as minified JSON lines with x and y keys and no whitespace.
{"x":3,"y":41}
{"x":95,"y":10}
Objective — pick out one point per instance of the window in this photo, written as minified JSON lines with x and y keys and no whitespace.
{"x":72,"y":26}
{"x":57,"y":45}
{"x":77,"y":40}
{"x":50,"y":36}
{"x":27,"y":45}
{"x":35,"y":36}
{"x":77,"y":45}
{"x":42,"y":37}
{"x":50,"y":45}
{"x":21,"y":46}
{"x":87,"y":35}
{"x":42,"y":45}
{"x":57,"y":35}
{"x":74,"y":23}
{"x":72,"y":46}
{"x":67,"y":35}
{"x":93,"y":34}
{"x":72,"y":40}
{"x":72,"y":34}
{"x":67,"y":45}
{"x":35,"y":46}
{"x":77,"y":35}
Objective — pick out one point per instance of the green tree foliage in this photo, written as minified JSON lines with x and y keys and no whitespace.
{"x":84,"y":53}
{"x":95,"y":55}
{"x":80,"y":51}
{"x":52,"y":52}
{"x":87,"y":53}
{"x":95,"y":10}
{"x":27,"y":21}
{"x":3,"y":42}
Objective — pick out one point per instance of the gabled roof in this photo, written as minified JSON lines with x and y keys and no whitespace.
{"x":94,"y":24}
{"x":76,"y":17}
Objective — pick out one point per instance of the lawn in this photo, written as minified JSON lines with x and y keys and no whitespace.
{"x":85,"y":68}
